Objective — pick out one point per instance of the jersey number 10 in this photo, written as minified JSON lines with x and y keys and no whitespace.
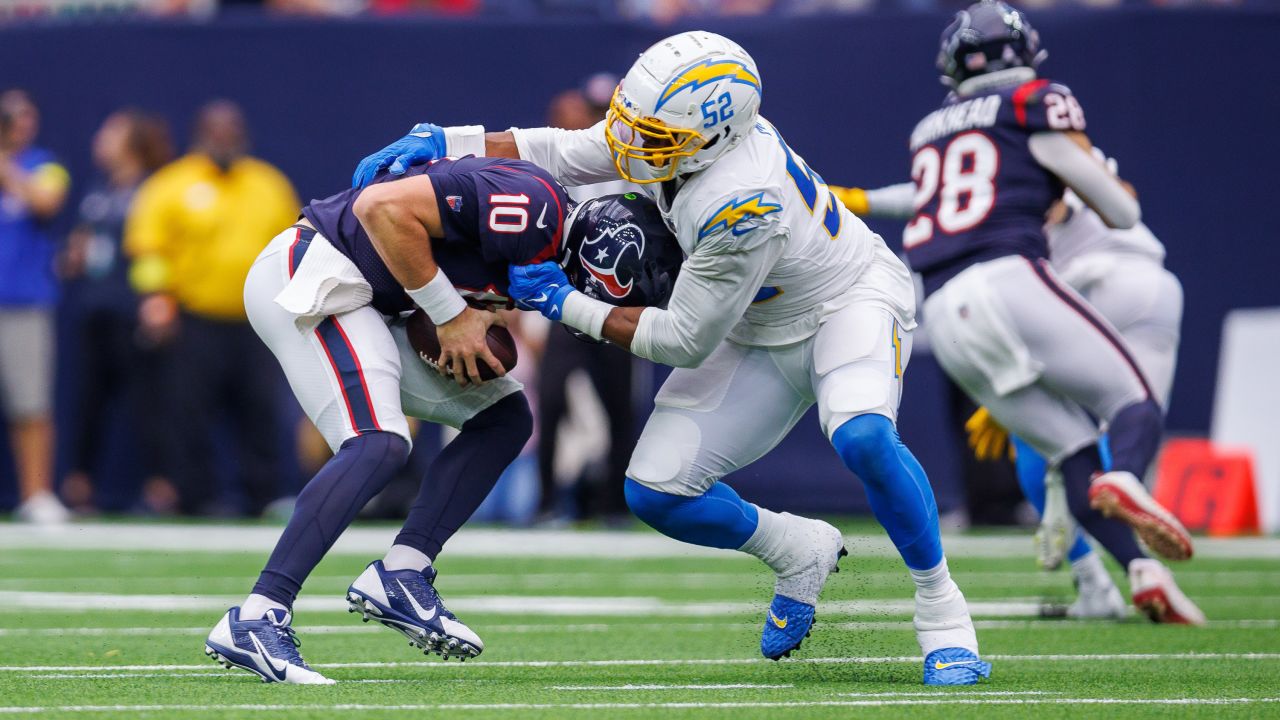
{"x":963,"y":177}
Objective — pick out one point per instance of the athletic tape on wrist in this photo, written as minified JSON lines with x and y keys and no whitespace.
{"x":585,"y":314}
{"x":463,"y":140}
{"x":439,"y":299}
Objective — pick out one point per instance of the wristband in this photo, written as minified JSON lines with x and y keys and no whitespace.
{"x":464,"y":140}
{"x":439,"y":299}
{"x":585,"y":314}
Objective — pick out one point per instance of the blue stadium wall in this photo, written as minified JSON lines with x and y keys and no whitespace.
{"x":1187,"y":101}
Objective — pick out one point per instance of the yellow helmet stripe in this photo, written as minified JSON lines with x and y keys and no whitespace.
{"x":706,"y":72}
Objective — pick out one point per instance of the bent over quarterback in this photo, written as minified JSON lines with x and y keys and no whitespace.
{"x":785,"y":299}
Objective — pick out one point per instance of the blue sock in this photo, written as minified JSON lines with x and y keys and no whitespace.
{"x":896,"y":485}
{"x":326,"y":506}
{"x":1031,"y":469}
{"x":717,"y":518}
{"x":464,"y":473}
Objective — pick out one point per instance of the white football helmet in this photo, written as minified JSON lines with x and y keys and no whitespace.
{"x":685,"y":102}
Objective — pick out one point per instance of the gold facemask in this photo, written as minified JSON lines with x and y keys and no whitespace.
{"x":648,"y":140}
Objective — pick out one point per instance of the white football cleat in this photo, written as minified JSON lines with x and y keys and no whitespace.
{"x":1097,"y":597}
{"x":1122,"y":496}
{"x":1057,"y":529}
{"x":818,"y":547}
{"x":1156,"y":595}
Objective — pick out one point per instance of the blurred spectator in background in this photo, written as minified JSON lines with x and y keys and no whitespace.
{"x":195,"y":228}
{"x":128,"y":147}
{"x":599,"y":491}
{"x":33,"y":189}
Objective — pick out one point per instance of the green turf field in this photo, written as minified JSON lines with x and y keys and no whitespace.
{"x":119,"y":632}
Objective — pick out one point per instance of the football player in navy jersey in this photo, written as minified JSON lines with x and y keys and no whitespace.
{"x":987,"y":167}
{"x":327,"y":297}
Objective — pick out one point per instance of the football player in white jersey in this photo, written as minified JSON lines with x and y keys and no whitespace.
{"x":785,"y":299}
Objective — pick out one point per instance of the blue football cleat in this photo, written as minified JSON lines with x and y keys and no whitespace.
{"x":785,"y":627}
{"x":954,"y":666}
{"x":406,"y":601}
{"x":266,"y":647}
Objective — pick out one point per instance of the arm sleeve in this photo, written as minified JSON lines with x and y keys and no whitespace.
{"x":1090,"y":179}
{"x":574,"y":157}
{"x":717,"y":283}
{"x":892,"y":201}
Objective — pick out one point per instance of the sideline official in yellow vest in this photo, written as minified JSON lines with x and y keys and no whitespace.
{"x":194,"y":230}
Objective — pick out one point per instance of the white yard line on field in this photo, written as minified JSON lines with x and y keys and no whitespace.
{"x":714,"y":686}
{"x":26,"y":601}
{"x":957,"y":699}
{"x":575,"y":628}
{"x":104,"y":537}
{"x":438,"y":665}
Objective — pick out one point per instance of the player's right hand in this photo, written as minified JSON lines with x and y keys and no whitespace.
{"x":988,"y":439}
{"x":464,"y":342}
{"x":424,"y":142}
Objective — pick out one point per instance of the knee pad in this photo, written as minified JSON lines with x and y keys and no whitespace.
{"x":376,"y":448}
{"x":511,"y":413}
{"x":867,"y":444}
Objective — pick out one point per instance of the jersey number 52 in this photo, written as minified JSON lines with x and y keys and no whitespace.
{"x":962,"y":177}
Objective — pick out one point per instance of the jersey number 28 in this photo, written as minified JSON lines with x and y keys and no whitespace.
{"x":963,"y":177}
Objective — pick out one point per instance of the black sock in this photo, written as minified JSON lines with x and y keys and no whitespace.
{"x":464,"y":473}
{"x":1115,"y":536}
{"x":326,"y":506}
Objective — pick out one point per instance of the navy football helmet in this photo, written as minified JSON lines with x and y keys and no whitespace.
{"x":619,"y":250}
{"x":985,"y":37}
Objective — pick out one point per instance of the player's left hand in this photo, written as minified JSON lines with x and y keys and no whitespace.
{"x":988,"y":439}
{"x":424,"y":142}
{"x":853,"y":198}
{"x":541,"y":287}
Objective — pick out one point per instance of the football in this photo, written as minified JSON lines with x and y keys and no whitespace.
{"x":422,"y":336}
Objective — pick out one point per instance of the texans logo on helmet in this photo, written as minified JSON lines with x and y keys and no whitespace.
{"x":600,"y":256}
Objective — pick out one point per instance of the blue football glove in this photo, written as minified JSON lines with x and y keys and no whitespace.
{"x":424,"y":142}
{"x":541,"y":287}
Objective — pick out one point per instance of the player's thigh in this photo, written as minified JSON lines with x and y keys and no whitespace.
{"x":1050,"y":422}
{"x":427,"y":395}
{"x":1144,"y":301}
{"x":718,"y":417}
{"x":1078,"y":352}
{"x":345,"y":371}
{"x":859,"y":356}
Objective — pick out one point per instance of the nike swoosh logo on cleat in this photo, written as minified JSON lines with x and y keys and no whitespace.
{"x":780,"y":623}
{"x":423,"y":134}
{"x":277,"y":667}
{"x":939,"y":665}
{"x":542,"y":215}
{"x":422,"y":613}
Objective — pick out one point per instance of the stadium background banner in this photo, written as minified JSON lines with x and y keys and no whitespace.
{"x":1185,"y":100}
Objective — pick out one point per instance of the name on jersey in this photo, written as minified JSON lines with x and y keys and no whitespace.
{"x":976,"y":113}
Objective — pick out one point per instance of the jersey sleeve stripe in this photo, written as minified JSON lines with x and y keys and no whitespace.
{"x":1022,"y":95}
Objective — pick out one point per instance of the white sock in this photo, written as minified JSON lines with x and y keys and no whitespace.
{"x":934,"y":583}
{"x":255,"y":607}
{"x":1089,"y":570}
{"x":403,"y":557}
{"x":769,"y":541}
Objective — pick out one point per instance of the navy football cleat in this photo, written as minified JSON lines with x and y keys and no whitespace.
{"x":406,"y":601}
{"x":954,"y":666}
{"x":266,"y":647}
